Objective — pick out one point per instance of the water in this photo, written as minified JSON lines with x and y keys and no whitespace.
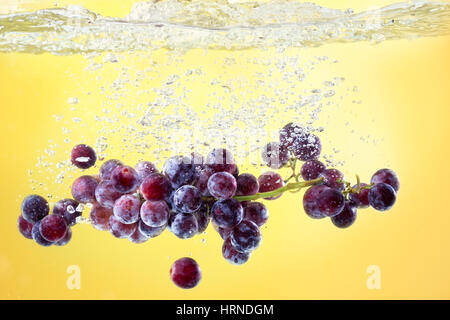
{"x":181,"y":25}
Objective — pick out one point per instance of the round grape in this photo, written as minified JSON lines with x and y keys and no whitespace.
{"x":155,"y":187}
{"x":227,"y":213}
{"x":232,"y":255}
{"x":183,"y":225}
{"x":386,"y":176}
{"x":274,"y":155}
{"x":185,"y":273}
{"x":246,"y":236}
{"x":201,"y":181}
{"x":310,"y":201}
{"x":83,"y":156}
{"x":100,"y":217}
{"x":127,"y":209}
{"x":221,"y":160}
{"x":34,"y":208}
{"x":124,"y":179}
{"x":37,"y":236}
{"x":53,"y":228}
{"x":347,"y":216}
{"x":361,"y":198}
{"x":108,"y":167}
{"x":138,"y":237}
{"x":270,"y":181}
{"x":144,"y":169}
{"x":155,"y":213}
{"x":66,"y":208}
{"x":106,"y":195}
{"x":120,"y":230}
{"x":247,"y":185}
{"x":256,"y":212}
{"x":25,"y":227}
{"x":307,"y":148}
{"x":187,"y":199}
{"x":179,"y":171}
{"x":330,"y":202}
{"x":312,"y":169}
{"x":83,"y":189}
{"x":222,"y":185}
{"x":333,"y":178}
{"x":382,"y":196}
{"x":150,"y":232}
{"x":290,"y":133}
{"x":65,"y":240}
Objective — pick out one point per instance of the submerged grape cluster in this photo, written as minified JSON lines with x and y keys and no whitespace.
{"x":138,"y":203}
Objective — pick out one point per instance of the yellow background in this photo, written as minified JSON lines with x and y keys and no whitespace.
{"x":404,"y":88}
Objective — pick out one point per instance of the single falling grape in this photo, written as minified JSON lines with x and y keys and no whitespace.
{"x":382,"y":196}
{"x":247,"y":185}
{"x":66,"y":239}
{"x":185,"y":273}
{"x":150,"y":232}
{"x":221,"y":160}
{"x":99,"y":217}
{"x":108,"y":167}
{"x":361,"y":197}
{"x":154,"y":213}
{"x":256,"y":212}
{"x":386,"y":176}
{"x":270,"y":181}
{"x":232,"y":255}
{"x":83,"y":189}
{"x":227,"y":213}
{"x":275,"y":155}
{"x":179,"y":171}
{"x":83,"y":156}
{"x":37,"y":236}
{"x":347,"y":216}
{"x":127,"y":209}
{"x":187,"y":199}
{"x":106,"y":195}
{"x":312,"y":169}
{"x":125,"y":179}
{"x":25,"y":227}
{"x":138,"y":237}
{"x":183,"y":225}
{"x":330,"y":202}
{"x":310,"y":201}
{"x":144,"y":169}
{"x":66,"y":208}
{"x":333,"y":178}
{"x":155,"y":187}
{"x":53,"y":228}
{"x":222,"y":185}
{"x":34,"y":208}
{"x":120,"y":230}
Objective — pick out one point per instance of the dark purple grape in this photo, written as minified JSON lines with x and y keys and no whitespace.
{"x":312,"y":169}
{"x":53,"y":228}
{"x":202,"y":217}
{"x":185,"y":273}
{"x":106,"y":195}
{"x":150,"y":232}
{"x":347,"y":216}
{"x":245,"y":237}
{"x":125,"y":179}
{"x":155,"y":213}
{"x":330,"y":202}
{"x":333,"y":178}
{"x":256,"y":212}
{"x":270,"y":181}
{"x":37,"y":236}
{"x":179,"y":171}
{"x":201,"y":181}
{"x":155,"y":187}
{"x":222,"y":185}
{"x":221,"y":160}
{"x":66,"y":208}
{"x":308,"y":148}
{"x":127,"y":208}
{"x":83,"y":156}
{"x":386,"y":176}
{"x":34,"y":208}
{"x":361,"y":198}
{"x":100,"y":217}
{"x":138,"y":237}
{"x":120,"y":230}
{"x":382,"y":196}
{"x":187,"y":199}
{"x":65,"y":240}
{"x":290,"y":133}
{"x":310,"y":201}
{"x":83,"y":189}
{"x":184,"y":225}
{"x":274,"y":155}
{"x":247,"y":185}
{"x":108,"y":167}
{"x":25,"y":227}
{"x":227,"y":213}
{"x":144,"y":169}
{"x":232,"y":255}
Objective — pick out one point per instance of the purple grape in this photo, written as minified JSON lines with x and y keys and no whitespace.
{"x":232,"y":255}
{"x":183,"y":225}
{"x":83,"y":156}
{"x":53,"y":228}
{"x":308,"y":148}
{"x":65,"y":240}
{"x":347,"y":216}
{"x":227,"y":213}
{"x":155,"y":213}
{"x":100,"y":217}
{"x":382,"y":196}
{"x":37,"y":236}
{"x":106,"y":195}
{"x":202,"y":217}
{"x":330,"y":202}
{"x":245,"y":237}
{"x":310,"y":201}
{"x":270,"y":181}
{"x":256,"y":212}
{"x":179,"y":171}
{"x":66,"y":208}
{"x":333,"y":178}
{"x":138,"y":237}
{"x":34,"y":208}
{"x":108,"y":167}
{"x":127,"y":209}
{"x":187,"y":199}
{"x":150,"y":232}
{"x":83,"y":189}
{"x":155,"y":187}
{"x":247,"y":185}
{"x":274,"y":155}
{"x":125,"y":179}
{"x":290,"y":133}
{"x":185,"y":273}
{"x":386,"y":176}
{"x":361,"y":198}
{"x":201,"y":181}
{"x":25,"y":227}
{"x":221,"y":160}
{"x":119,"y":229}
{"x":312,"y":169}
{"x":222,"y":185}
{"x":144,"y":169}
